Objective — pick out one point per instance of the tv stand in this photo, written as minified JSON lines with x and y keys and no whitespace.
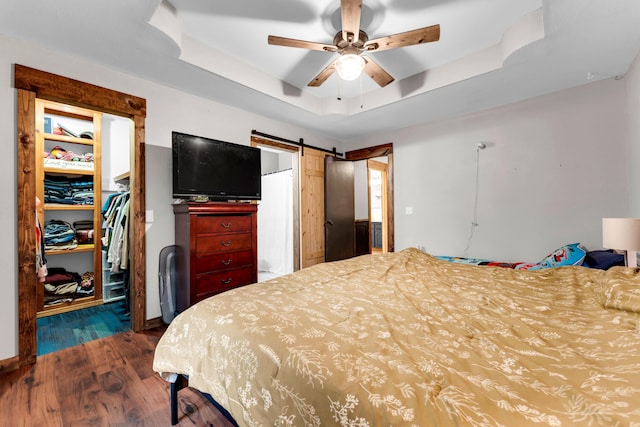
{"x":216,"y":249}
{"x":199,"y":199}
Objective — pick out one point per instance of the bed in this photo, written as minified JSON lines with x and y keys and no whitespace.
{"x":406,"y":339}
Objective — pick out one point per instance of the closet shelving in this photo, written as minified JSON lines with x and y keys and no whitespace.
{"x":86,"y":257}
{"x":113,"y":282}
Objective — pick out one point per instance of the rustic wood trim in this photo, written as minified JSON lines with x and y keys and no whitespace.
{"x":154,"y":323}
{"x":381,"y":151}
{"x":27,"y":276}
{"x":82,"y":94}
{"x":10,"y":364}
{"x":255,"y":141}
{"x":370,"y":152}
{"x":137,"y":264}
{"x":32,"y":84}
{"x":299,"y":143}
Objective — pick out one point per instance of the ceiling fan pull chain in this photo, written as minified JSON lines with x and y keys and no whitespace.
{"x":339,"y":86}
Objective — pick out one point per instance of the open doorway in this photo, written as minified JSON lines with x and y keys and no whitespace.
{"x":278,"y":217}
{"x":373,"y":188}
{"x":32,"y":84}
{"x":377,"y":200}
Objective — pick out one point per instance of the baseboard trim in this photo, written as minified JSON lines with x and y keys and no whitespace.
{"x":153,"y":323}
{"x":10,"y":364}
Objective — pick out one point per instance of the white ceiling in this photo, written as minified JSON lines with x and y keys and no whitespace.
{"x":490,"y":52}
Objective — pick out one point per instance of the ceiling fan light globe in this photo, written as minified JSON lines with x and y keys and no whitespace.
{"x":350,"y":66}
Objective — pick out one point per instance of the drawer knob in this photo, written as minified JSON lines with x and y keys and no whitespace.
{"x":225,"y":225}
{"x":226,"y":281}
{"x":227,"y":262}
{"x":226,"y":244}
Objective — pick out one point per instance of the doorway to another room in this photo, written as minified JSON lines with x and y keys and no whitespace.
{"x":372,"y":187}
{"x":278,"y":234}
{"x":377,"y":201}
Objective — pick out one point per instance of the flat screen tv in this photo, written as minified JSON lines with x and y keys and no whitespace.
{"x":213,"y":169}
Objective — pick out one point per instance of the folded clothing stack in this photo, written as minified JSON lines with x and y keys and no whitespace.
{"x":60,"y":153}
{"x":84,"y":231}
{"x":61,"y":285}
{"x":59,"y":235}
{"x":68,"y":191}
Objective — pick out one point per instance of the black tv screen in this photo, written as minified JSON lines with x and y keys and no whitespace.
{"x":216,"y":169}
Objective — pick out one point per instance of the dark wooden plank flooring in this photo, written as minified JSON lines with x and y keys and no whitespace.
{"x":106,"y":382}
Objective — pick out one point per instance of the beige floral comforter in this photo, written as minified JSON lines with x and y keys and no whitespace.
{"x":405,"y":339}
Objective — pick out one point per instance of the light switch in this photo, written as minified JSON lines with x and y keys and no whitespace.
{"x":148,"y":216}
{"x":408,"y":211}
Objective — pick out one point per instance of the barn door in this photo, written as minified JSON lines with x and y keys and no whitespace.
{"x":311,"y":207}
{"x":340,"y":241}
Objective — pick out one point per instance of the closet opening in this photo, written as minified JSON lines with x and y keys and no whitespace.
{"x":83,"y":209}
{"x":32,"y":85}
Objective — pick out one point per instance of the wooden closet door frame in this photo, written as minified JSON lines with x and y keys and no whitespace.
{"x":31,"y":84}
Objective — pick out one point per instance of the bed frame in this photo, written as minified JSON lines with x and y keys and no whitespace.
{"x":178,"y":382}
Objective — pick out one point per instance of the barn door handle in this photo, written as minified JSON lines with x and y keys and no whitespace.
{"x":226,"y":244}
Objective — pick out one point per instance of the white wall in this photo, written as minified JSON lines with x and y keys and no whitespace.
{"x":167,"y":110}
{"x":116,"y":143}
{"x":269,"y":162}
{"x":554,"y":166}
{"x":632,"y":80}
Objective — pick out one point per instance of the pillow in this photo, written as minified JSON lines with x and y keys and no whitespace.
{"x":571,"y":254}
{"x":603,"y":260}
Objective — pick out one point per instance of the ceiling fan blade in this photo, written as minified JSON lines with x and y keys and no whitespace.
{"x":283,"y":41}
{"x":351,"y":11}
{"x":376,"y":72}
{"x":323,"y":75}
{"x":409,"y":38}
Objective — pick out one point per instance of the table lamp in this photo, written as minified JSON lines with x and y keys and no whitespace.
{"x":622,"y":234}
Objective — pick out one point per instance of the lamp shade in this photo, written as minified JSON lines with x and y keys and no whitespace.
{"x":349,"y":66}
{"x":622,"y":233}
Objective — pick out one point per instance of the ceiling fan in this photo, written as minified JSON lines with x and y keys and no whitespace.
{"x":351,"y":42}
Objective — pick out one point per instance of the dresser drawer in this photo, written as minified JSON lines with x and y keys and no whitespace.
{"x":217,"y":262}
{"x":213,"y":283}
{"x":222,"y":223}
{"x":223,"y":243}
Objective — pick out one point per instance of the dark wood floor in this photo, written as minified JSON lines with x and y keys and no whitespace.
{"x":106,"y":382}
